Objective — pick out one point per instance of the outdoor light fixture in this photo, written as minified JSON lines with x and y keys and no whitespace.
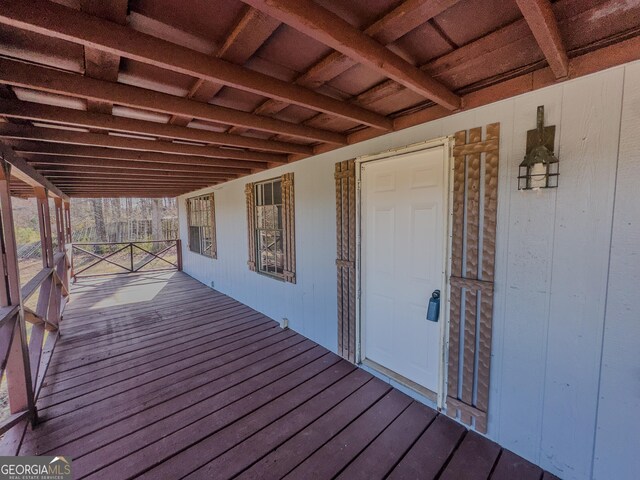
{"x":539,"y":169}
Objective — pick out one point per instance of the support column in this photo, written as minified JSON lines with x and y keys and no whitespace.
{"x":44,"y":220}
{"x":18,"y":372}
{"x":67,"y":221}
{"x":60,"y":227}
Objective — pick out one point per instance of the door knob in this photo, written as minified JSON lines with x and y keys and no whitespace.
{"x":433,"y":309}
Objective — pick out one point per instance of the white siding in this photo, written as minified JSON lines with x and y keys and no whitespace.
{"x":553,"y":250}
{"x":618,"y":434}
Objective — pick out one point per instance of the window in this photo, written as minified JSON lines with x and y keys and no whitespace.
{"x":271,"y":227}
{"x":202,"y":225}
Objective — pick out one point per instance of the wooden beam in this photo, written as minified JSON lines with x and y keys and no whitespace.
{"x":595,"y":61}
{"x":58,"y":21}
{"x":51,"y":171}
{"x":121,"y":194}
{"x":38,"y":161}
{"x":401,"y":20}
{"x":26,"y":173}
{"x":25,"y":75}
{"x":543,"y":24}
{"x":99,"y":64}
{"x":407,"y":16}
{"x":42,"y":134}
{"x":41,"y":148}
{"x":248,"y":34}
{"x":326,"y":27}
{"x":46,"y":113}
{"x":64,"y":182}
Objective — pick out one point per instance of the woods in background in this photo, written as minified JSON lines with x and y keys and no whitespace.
{"x":123,"y":219}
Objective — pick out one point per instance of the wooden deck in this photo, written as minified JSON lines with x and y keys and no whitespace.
{"x":157,"y":376}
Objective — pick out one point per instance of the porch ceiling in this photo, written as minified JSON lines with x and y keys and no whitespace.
{"x":162,"y":97}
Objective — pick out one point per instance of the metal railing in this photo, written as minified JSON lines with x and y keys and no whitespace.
{"x":112,"y":258}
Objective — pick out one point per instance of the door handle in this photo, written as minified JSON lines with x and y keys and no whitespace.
{"x":433,"y":309}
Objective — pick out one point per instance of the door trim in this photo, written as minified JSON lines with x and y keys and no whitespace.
{"x":447,"y":144}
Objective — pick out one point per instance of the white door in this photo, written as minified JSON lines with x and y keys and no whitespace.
{"x":403,"y":218}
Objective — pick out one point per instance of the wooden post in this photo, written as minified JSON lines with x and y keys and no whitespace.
{"x":18,"y":373}
{"x":44,"y":221}
{"x":60,"y":227}
{"x":179,"y":253}
{"x":67,"y":222}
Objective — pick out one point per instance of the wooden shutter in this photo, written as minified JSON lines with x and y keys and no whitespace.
{"x":249,"y":192}
{"x":345,"y":176}
{"x":212,"y":225}
{"x":475,"y":203}
{"x":288,"y":220}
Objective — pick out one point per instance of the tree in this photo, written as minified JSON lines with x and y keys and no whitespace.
{"x":98,"y":217}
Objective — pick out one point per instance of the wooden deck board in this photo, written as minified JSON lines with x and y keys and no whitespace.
{"x":158,"y":376}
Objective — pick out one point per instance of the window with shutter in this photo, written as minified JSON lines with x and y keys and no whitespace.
{"x":202,"y":225}
{"x":270,"y":218}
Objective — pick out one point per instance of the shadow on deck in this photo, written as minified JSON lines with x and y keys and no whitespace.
{"x":158,"y":376}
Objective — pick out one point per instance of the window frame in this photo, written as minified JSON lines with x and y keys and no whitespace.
{"x":206,"y":219}
{"x":280,"y":227}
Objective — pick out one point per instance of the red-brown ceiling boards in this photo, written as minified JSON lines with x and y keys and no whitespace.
{"x":198,"y":93}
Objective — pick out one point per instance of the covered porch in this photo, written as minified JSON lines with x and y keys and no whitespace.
{"x":271,"y":124}
{"x":156,"y":375}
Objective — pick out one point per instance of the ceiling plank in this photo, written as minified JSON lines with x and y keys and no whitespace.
{"x":41,"y":134}
{"x":58,"y":21}
{"x":397,"y":23}
{"x":25,"y":75}
{"x":39,"y":160}
{"x":328,"y":28}
{"x":542,"y":21}
{"x":38,"y":148}
{"x":26,"y":173}
{"x":248,"y":34}
{"x":36,"y":111}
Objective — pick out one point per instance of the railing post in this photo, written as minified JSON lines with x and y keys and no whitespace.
{"x":131,"y":252}
{"x":179,"y":254}
{"x":59,"y":223}
{"x":18,"y":372}
{"x":44,"y":220}
{"x":67,"y":222}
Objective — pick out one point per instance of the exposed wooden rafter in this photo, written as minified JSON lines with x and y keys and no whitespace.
{"x":24,"y":75}
{"x":47,"y":18}
{"x":74,"y":151}
{"x":251,"y":31}
{"x":539,"y":15}
{"x":97,"y":63}
{"x":39,"y":161}
{"x":328,"y":28}
{"x":26,"y":173}
{"x":77,"y":118}
{"x":54,"y":170}
{"x":401,"y":20}
{"x":18,"y":132}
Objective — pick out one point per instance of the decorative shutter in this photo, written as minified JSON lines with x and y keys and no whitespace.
{"x":345,"y":176}
{"x":288,"y":220}
{"x":212,"y":231}
{"x":474,"y":238}
{"x":249,"y":192}
{"x":189,"y":233}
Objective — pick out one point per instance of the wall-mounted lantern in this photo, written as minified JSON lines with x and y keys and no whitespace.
{"x":539,"y":169}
